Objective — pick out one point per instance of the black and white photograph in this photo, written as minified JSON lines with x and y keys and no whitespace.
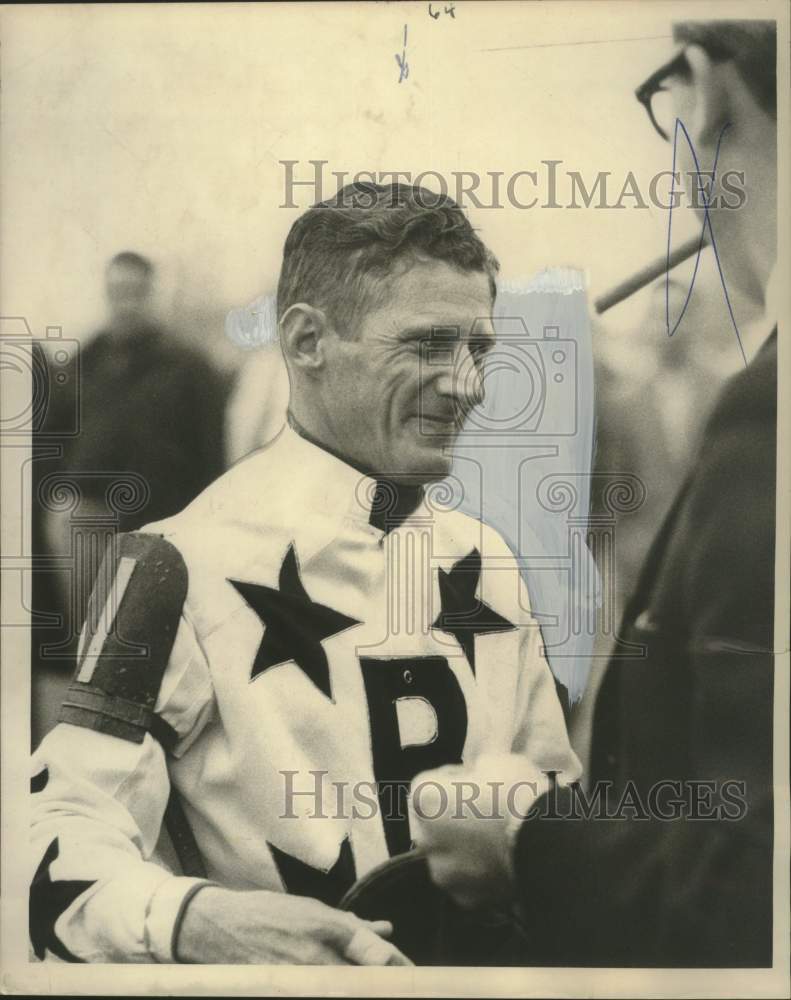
{"x":395,"y":488}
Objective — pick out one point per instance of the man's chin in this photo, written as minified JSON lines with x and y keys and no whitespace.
{"x":426,"y":465}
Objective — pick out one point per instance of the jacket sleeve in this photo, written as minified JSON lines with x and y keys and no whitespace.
{"x":100,"y":781}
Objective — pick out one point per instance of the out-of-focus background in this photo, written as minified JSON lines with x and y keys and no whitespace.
{"x":163,"y":130}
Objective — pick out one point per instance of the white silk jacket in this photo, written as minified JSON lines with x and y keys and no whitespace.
{"x":286,"y":654}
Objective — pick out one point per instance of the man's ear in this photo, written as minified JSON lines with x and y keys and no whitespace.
{"x":303,"y":336}
{"x":711,"y":96}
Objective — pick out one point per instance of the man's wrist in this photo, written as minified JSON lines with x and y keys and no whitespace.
{"x":165,"y":914}
{"x":177,"y":924}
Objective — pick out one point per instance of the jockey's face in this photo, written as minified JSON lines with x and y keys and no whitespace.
{"x":401,"y":386}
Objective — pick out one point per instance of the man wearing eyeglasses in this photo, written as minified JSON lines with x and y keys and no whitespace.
{"x":682,"y":873}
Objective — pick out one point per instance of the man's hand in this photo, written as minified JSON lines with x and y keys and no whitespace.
{"x":272,"y":928}
{"x":478,"y":810}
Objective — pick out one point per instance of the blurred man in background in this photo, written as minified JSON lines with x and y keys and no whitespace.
{"x":680,"y":876}
{"x":150,"y":439}
{"x":151,"y":405}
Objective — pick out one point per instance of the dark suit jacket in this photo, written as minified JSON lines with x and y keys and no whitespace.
{"x":694,"y":703}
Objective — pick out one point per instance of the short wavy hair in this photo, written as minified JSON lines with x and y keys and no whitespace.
{"x":337,"y":253}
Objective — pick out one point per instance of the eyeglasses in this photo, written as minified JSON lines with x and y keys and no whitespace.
{"x":656,"y":99}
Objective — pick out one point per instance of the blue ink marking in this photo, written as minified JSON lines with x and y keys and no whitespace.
{"x":403,"y":65}
{"x":706,"y":225}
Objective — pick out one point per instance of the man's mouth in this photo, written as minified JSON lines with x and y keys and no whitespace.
{"x":439,"y":425}
{"x":438,"y":429}
{"x":444,"y":420}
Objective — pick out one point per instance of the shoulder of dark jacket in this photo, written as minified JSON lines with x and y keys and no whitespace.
{"x":751,"y":394}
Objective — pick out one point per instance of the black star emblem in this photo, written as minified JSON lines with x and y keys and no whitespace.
{"x":463,"y":615}
{"x":48,"y":900}
{"x":302,"y":879}
{"x":294,"y":625}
